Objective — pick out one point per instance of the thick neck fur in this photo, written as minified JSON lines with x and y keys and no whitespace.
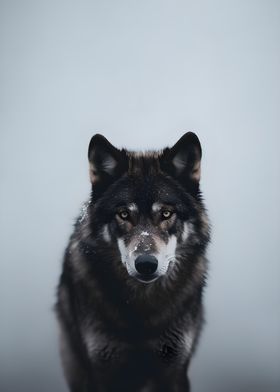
{"x":133,"y":306}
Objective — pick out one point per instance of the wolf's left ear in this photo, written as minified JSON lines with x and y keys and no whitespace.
{"x":182,"y":161}
{"x":106,"y":162}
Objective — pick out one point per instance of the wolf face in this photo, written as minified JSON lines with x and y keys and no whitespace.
{"x":146,"y":207}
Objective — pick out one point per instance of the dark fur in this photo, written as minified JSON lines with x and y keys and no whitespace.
{"x":117,"y":333}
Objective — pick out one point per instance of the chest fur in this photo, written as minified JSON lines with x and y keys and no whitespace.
{"x":168,"y":347}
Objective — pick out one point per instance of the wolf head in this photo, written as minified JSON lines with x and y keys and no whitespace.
{"x":146,"y":208}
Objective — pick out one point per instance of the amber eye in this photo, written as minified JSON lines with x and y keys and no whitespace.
{"x":166,"y":214}
{"x":123,"y":214}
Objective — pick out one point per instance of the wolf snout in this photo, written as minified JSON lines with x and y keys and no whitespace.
{"x":146,"y":264}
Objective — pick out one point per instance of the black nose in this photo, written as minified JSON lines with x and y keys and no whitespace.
{"x":146,"y":264}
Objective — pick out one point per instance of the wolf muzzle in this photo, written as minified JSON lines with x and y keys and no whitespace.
{"x":146,"y":266}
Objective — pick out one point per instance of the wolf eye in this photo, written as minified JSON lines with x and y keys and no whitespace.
{"x":123,"y":215}
{"x":166,"y":214}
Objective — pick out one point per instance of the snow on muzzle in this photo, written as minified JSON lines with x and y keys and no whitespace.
{"x":147,"y":258}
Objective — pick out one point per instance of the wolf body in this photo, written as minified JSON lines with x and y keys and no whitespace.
{"x":129,"y":300}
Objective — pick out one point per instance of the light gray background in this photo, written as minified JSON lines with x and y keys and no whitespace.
{"x":142,"y":72}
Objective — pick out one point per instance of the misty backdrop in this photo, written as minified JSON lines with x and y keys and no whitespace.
{"x":141,"y":73}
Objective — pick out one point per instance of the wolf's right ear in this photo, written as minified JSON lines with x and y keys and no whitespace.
{"x":106,"y":162}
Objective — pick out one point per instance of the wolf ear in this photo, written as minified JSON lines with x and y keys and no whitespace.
{"x":182,"y":161}
{"x":106,"y":162}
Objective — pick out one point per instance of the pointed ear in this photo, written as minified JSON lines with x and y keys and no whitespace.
{"x":106,"y":162}
{"x":182,"y":161}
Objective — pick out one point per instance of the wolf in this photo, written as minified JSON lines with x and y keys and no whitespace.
{"x":130,"y":296}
